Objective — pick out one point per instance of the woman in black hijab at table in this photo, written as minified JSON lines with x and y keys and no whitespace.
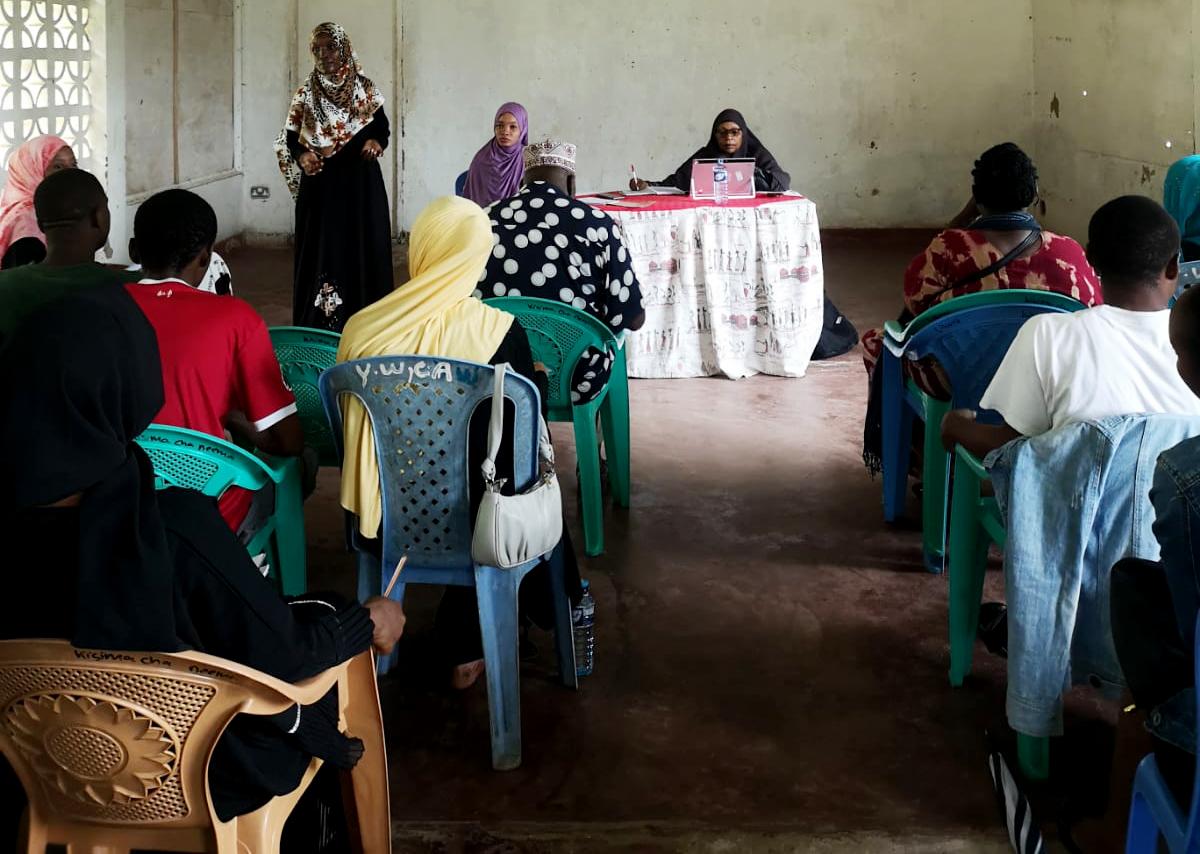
{"x":730,"y":138}
{"x":97,"y":556}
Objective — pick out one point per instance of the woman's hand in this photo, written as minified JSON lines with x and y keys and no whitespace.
{"x":310,"y":163}
{"x":389,"y":619}
{"x":372,"y":150}
{"x":953,"y":424}
{"x":637,"y":184}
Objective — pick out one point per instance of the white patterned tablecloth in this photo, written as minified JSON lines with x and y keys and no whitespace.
{"x":735,"y":289}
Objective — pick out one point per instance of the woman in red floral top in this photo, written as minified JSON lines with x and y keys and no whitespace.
{"x":994,"y":223}
{"x":1005,"y":182}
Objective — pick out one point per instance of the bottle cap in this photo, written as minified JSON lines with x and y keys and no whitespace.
{"x":584,"y":583}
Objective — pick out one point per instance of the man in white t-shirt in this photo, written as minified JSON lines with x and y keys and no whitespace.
{"x":1112,"y":359}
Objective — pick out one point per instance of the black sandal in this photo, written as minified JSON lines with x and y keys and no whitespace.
{"x":993,"y":627}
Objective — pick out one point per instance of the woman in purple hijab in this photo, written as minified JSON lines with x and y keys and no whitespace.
{"x":498,"y":167}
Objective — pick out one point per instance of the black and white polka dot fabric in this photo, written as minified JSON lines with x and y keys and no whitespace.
{"x":551,"y":246}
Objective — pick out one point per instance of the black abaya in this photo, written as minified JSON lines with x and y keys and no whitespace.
{"x":343,"y":259}
{"x":768,"y":174}
{"x":125,"y":567}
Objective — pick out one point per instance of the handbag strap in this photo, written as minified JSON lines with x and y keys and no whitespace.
{"x":495,"y":425}
{"x":996,"y":266}
{"x":496,"y":431}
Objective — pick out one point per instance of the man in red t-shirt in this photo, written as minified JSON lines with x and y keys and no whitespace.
{"x":219,"y":368}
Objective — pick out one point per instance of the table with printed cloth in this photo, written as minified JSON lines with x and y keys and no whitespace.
{"x":734,"y":289}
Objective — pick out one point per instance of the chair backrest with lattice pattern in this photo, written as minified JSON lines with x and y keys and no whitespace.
{"x":119,"y":738}
{"x":193,"y":460}
{"x":558,"y":334}
{"x":303,"y":354}
{"x":420,"y":410}
{"x":970,"y":341}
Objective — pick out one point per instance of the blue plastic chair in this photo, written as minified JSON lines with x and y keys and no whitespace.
{"x":1189,"y":274}
{"x":420,"y":409}
{"x":193,"y":460}
{"x":460,"y":184}
{"x":1154,"y":813}
{"x":968,"y":336}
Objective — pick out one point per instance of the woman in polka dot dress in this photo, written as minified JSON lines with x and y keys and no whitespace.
{"x":548,"y":245}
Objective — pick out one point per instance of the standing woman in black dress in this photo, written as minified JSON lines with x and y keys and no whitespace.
{"x":329,"y":150}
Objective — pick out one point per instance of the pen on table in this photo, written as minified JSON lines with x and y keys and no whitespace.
{"x":633,"y":172}
{"x":395,"y":577}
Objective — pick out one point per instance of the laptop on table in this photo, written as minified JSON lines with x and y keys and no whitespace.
{"x":740,"y":171}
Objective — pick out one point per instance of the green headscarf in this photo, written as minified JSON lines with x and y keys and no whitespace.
{"x":1181,"y":196}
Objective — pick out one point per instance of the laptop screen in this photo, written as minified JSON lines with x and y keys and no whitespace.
{"x":740,"y":178}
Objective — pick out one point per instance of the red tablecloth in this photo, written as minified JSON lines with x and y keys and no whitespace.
{"x":682,"y":203}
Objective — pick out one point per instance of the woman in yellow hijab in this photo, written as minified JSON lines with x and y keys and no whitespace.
{"x":435,"y":314}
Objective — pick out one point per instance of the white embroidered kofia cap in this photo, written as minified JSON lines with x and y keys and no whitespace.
{"x":551,"y":152}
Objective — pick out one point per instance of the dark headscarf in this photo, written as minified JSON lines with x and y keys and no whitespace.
{"x":79,"y":381}
{"x":768,"y":175}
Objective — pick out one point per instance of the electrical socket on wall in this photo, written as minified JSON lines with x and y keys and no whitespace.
{"x":260,"y":193}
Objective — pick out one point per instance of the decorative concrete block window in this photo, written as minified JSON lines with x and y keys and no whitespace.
{"x":47,"y":74}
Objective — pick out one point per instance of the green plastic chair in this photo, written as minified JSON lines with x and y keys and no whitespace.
{"x":302,"y":355}
{"x":192,"y":460}
{"x":957,"y":334}
{"x":976,"y":523}
{"x":558,"y":334}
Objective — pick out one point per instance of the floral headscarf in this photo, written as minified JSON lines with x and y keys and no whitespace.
{"x":329,"y":109}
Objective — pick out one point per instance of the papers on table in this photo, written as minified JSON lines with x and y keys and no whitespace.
{"x":617,"y":203}
{"x":657,"y":191}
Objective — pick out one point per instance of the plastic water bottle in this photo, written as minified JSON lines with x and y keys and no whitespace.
{"x":720,"y":183}
{"x":583,"y":618}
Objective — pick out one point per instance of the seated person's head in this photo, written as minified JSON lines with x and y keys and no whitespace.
{"x":1133,"y":244}
{"x":173,"y":236}
{"x":1004,"y":180}
{"x":552,"y":161}
{"x":1185,"y":337}
{"x":448,"y":233}
{"x":72,"y":211}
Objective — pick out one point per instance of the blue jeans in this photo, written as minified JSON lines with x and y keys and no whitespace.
{"x":1176,"y":499}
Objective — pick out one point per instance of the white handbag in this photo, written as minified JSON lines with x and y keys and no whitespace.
{"x":514,"y":529}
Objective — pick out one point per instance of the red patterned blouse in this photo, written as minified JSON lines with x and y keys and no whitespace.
{"x":1058,"y":264}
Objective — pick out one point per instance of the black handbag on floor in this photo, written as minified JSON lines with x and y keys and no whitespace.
{"x":838,"y":334}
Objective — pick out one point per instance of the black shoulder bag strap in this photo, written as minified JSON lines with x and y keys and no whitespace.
{"x":996,"y":266}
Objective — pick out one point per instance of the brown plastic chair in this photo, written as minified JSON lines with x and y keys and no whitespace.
{"x":113,"y":747}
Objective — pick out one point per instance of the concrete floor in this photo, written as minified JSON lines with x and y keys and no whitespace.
{"x":771,"y":665}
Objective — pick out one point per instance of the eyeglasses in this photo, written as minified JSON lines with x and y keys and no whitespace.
{"x":729,"y":133}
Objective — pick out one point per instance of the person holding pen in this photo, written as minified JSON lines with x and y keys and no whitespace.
{"x":730,"y":138}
